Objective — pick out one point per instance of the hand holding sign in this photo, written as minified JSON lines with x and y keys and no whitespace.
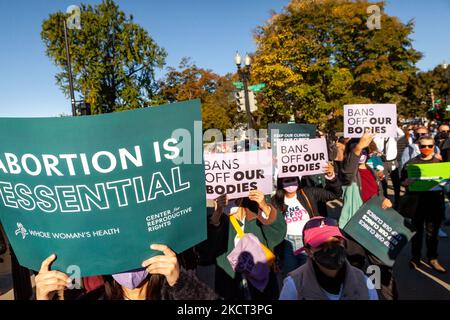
{"x":221,"y":202}
{"x":386,"y":204}
{"x":364,"y":142}
{"x":48,"y":282}
{"x":329,"y":170}
{"x":166,"y":264}
{"x":258,"y":197}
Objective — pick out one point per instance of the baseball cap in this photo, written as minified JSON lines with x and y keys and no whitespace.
{"x":319,"y":230}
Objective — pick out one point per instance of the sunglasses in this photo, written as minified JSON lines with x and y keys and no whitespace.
{"x":319,"y":222}
{"x":429,"y":146}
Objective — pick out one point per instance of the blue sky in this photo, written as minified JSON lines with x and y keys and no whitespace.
{"x":209,"y":31}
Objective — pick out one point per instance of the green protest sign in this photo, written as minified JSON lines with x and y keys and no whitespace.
{"x":384,"y":233}
{"x":287,"y":131}
{"x":428,"y":177}
{"x":99,"y":190}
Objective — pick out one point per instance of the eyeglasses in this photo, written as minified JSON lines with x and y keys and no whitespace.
{"x":429,"y":146}
{"x":445,"y":131}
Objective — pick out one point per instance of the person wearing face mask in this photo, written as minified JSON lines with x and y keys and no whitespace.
{"x":361,"y":183}
{"x":327,"y":275}
{"x":412,"y":150}
{"x":257,"y":216}
{"x":442,"y":140}
{"x":160,"y":278}
{"x":298,"y":204}
{"x":425,"y":208}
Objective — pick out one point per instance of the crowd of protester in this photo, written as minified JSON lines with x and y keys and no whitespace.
{"x":306,"y":255}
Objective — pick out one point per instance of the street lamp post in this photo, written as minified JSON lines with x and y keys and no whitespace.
{"x":445,"y":66}
{"x":69,"y":70}
{"x":244,"y":76}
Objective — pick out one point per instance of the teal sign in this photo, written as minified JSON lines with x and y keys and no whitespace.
{"x":290,"y":131}
{"x":239,"y":85}
{"x":384,"y":233}
{"x":99,"y":190}
{"x":257,"y":87}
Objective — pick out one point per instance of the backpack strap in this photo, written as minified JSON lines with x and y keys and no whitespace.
{"x":236,"y":226}
{"x":307,"y":200}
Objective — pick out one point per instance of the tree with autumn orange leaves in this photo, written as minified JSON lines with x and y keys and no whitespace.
{"x":187,"y":82}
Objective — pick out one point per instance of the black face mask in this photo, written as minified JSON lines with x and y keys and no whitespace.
{"x":332,"y":258}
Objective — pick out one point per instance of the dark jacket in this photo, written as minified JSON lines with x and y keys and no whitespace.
{"x":428,"y":201}
{"x":188,"y":287}
{"x":3,"y":247}
{"x":349,"y":173}
{"x":445,"y":150}
{"x":311,"y":196}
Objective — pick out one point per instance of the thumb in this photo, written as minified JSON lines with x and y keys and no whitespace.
{"x":45,"y":266}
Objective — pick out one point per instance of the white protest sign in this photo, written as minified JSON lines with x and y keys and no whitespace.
{"x":381,"y":119}
{"x":303,"y":157}
{"x":237,"y":173}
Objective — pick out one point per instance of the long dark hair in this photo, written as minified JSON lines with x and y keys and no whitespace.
{"x":114,"y":291}
{"x":351,"y":144}
{"x":278,"y":198}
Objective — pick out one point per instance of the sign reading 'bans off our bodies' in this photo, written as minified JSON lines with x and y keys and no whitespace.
{"x":303,"y":157}
{"x":237,"y":173}
{"x":380,"y":119}
{"x":99,"y":190}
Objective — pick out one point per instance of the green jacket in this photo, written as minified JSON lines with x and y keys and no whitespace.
{"x":270,"y":232}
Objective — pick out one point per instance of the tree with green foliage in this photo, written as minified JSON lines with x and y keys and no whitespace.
{"x":220,"y":109}
{"x":113,"y":58}
{"x":418,"y":98}
{"x":316,"y":56}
